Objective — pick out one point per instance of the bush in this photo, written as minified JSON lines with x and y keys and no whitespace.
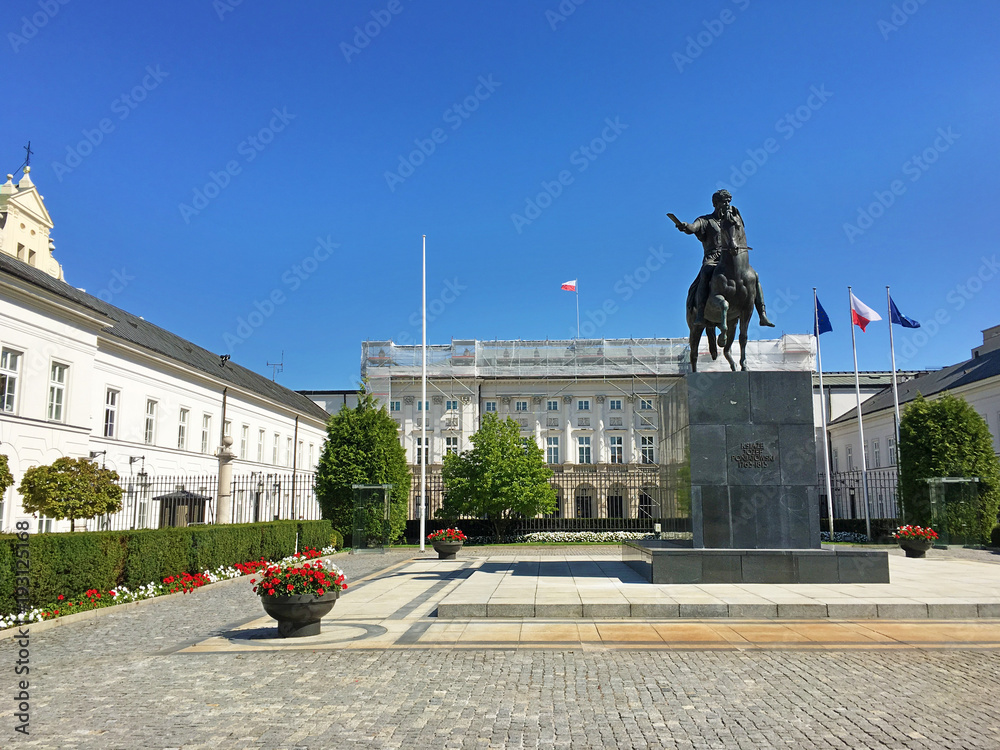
{"x":315,"y":534}
{"x":337,"y":539}
{"x":947,"y":438}
{"x":70,"y":564}
{"x":995,"y":537}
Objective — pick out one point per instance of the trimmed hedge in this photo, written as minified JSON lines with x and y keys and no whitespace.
{"x":72,"y":563}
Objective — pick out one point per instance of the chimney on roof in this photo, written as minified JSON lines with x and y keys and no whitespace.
{"x":991,"y":341}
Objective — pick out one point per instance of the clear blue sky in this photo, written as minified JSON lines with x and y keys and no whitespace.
{"x":311,"y":117}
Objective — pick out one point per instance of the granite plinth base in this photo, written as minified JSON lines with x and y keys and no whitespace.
{"x":663,"y":562}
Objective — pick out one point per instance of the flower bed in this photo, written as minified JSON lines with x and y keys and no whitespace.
{"x":923,"y":533}
{"x":300,"y":575}
{"x":567,"y":537}
{"x":447,"y":535}
{"x":184,"y":583}
{"x":843,"y":536}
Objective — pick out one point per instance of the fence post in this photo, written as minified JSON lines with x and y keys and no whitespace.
{"x":225,"y":493}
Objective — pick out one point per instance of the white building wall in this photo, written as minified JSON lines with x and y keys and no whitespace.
{"x":47,"y":330}
{"x":983,"y":396}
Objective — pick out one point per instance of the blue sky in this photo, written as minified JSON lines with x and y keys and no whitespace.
{"x":257,"y":177}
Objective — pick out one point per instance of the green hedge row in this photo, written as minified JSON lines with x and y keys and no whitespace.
{"x":70,"y":564}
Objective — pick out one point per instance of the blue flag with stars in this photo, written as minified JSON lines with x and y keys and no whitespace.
{"x":898,"y":318}
{"x":822,"y":323}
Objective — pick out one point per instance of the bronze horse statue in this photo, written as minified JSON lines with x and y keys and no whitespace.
{"x":733,"y":296}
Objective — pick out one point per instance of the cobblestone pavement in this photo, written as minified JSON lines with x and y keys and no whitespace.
{"x":123,"y":681}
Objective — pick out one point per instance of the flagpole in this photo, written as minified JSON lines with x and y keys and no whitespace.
{"x":422,"y":449}
{"x":822,"y":416}
{"x":861,"y":429}
{"x":892,"y":349}
{"x":577,"y":290}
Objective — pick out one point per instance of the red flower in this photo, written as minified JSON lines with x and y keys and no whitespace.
{"x":59,"y":598}
{"x":291,"y":587}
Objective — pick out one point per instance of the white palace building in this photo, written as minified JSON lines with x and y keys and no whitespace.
{"x":82,"y":378}
{"x":595,"y":407}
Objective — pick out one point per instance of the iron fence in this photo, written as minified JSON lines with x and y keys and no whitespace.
{"x":848,"y":494}
{"x":261,"y":496}
{"x":592,"y":497}
{"x":150,"y":502}
{"x":154,"y":502}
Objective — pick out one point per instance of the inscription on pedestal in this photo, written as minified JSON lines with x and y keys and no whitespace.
{"x":753,"y":456}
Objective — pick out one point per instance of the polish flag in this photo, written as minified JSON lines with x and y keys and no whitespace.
{"x":569,"y":286}
{"x":861,"y":314}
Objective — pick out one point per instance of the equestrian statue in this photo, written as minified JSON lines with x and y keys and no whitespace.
{"x":727,"y":289}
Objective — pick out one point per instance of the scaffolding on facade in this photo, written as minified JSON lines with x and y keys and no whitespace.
{"x":572,"y":358}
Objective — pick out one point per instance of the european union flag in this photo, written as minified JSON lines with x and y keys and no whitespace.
{"x":898,"y":318}
{"x":822,"y":323}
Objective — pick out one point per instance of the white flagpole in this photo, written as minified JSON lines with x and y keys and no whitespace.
{"x":861,"y":429}
{"x":822,"y":415}
{"x":892,"y":349}
{"x":422,"y":449}
{"x":577,"y":290}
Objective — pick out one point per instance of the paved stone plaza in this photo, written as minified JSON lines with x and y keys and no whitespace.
{"x":206,"y":671}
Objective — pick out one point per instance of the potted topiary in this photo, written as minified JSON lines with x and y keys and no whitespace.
{"x":298,"y":592}
{"x":915,"y":540}
{"x":447,"y":542}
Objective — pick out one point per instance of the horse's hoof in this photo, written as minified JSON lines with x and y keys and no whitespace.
{"x":721,"y":341}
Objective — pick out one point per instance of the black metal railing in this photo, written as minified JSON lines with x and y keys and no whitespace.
{"x":610,"y":497}
{"x":848,"y":495}
{"x":154,"y":502}
{"x":262,"y":496}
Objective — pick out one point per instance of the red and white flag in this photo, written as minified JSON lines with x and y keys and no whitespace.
{"x":569,"y":286}
{"x":861,"y":314}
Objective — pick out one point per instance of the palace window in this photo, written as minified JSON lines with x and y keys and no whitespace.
{"x":646,"y":449}
{"x":149,"y":428}
{"x":552,"y":450}
{"x":490,"y":406}
{"x":451,"y":445}
{"x":615,"y":442}
{"x":182,"y":430}
{"x":521,"y":406}
{"x":583,"y":444}
{"x":552,"y":405}
{"x":645,"y":403}
{"x":583,"y":404}
{"x":614,"y":404}
{"x":10,"y":366}
{"x":206,"y":432}
{"x":57,"y":391}
{"x":111,"y":413}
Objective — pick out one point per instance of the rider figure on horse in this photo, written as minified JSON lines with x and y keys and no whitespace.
{"x":719,"y":231}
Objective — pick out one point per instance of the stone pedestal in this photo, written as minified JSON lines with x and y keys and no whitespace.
{"x":740,"y":454}
{"x":741,"y":446}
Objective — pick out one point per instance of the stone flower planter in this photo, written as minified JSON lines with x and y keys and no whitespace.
{"x":915,"y":547}
{"x":446,"y":550}
{"x":300,"y":615}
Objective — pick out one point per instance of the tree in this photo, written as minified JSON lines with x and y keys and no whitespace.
{"x":70,"y":488}
{"x":362,"y":447}
{"x":503,"y":478}
{"x":6,"y":478}
{"x":947,"y":438}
